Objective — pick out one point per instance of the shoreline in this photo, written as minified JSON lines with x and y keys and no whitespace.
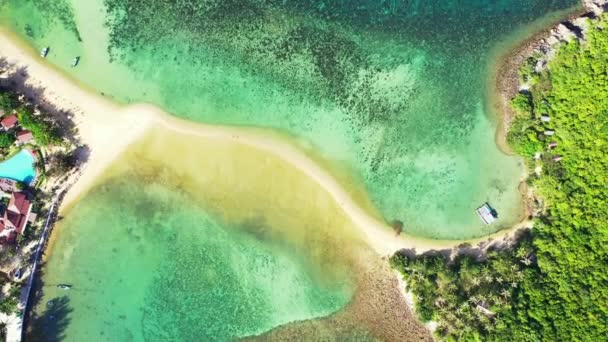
{"x":506,"y":84}
{"x":108,"y":129}
{"x":504,"y":76}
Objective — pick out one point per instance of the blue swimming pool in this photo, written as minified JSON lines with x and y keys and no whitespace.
{"x":19,"y":167}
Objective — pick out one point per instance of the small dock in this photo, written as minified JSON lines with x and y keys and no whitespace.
{"x":487,"y":214}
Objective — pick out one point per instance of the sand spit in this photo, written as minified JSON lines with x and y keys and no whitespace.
{"x":108,"y":129}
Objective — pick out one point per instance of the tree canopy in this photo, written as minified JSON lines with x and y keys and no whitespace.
{"x":43,"y":132}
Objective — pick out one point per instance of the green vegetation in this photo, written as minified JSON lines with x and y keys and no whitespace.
{"x":43,"y":132}
{"x":8,"y":101}
{"x":6,"y":139}
{"x":527,"y":72}
{"x":559,"y":283}
{"x":467,"y":297}
{"x":41,"y":127}
{"x":8,"y":304}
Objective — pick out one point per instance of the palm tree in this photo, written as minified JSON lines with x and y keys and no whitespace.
{"x":482,"y":299}
{"x":526,"y":260}
{"x":440,"y":301}
{"x":521,"y":252}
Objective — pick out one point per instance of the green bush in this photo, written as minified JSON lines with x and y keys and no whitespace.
{"x":522,"y":103}
{"x":527,"y":72}
{"x":6,"y":139}
{"x":8,"y":305}
{"x":44,"y":134}
{"x":522,"y":137}
{"x":8,"y":101}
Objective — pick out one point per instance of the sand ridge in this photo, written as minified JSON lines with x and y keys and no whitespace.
{"x":108,"y":129}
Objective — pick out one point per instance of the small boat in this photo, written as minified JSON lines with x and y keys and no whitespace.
{"x":50,"y":303}
{"x":486,"y":213}
{"x":75,"y":61}
{"x":64,"y":286}
{"x":45,"y":52}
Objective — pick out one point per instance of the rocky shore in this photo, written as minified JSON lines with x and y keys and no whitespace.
{"x":543,"y":46}
{"x":573,"y":28}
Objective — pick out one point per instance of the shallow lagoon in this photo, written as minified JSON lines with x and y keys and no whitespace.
{"x":161,"y":269}
{"x":169,"y":246}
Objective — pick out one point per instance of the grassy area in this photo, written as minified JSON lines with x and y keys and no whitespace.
{"x":560,"y":292}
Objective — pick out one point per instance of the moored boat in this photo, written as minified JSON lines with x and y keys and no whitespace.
{"x":64,"y":286}
{"x":75,"y":61}
{"x":45,"y":52}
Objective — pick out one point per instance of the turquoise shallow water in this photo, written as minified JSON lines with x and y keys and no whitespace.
{"x":393,"y":90}
{"x":155,"y":267}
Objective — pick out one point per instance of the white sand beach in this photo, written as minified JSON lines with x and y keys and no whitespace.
{"x":101,"y":124}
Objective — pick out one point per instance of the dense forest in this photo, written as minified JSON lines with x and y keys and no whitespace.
{"x":553,"y":284}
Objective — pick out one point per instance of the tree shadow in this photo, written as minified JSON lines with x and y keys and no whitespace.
{"x":15,"y":79}
{"x":479,"y":251}
{"x":50,"y":325}
{"x":45,"y":321}
{"x":3,"y":65}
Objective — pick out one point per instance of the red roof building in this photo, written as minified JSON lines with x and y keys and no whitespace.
{"x":24,"y":136}
{"x":15,"y":217}
{"x":9,"y":122}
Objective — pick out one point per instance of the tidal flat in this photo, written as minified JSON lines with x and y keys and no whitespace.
{"x":175,"y":245}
